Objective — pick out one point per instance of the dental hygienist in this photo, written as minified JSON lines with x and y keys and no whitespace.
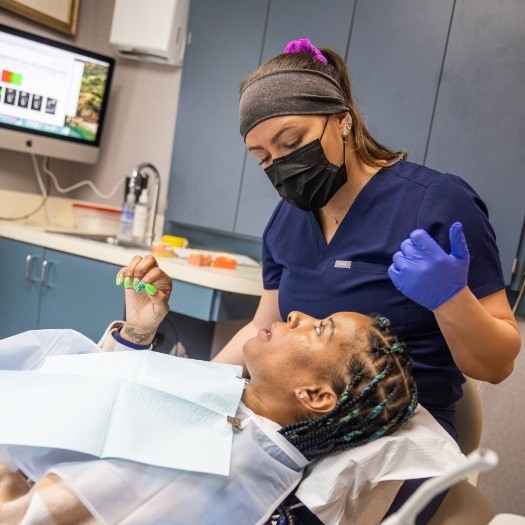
{"x":360,"y":228}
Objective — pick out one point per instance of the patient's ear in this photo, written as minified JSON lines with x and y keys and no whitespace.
{"x":318,"y":399}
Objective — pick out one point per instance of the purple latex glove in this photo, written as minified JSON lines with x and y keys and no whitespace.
{"x":425,"y":273}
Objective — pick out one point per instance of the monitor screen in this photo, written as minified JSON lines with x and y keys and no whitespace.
{"x":53,"y":96}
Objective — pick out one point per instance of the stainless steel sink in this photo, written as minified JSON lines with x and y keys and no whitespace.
{"x":104,"y":238}
{"x":99,"y":237}
{"x":128,"y":244}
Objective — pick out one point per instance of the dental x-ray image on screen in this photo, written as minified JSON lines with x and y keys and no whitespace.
{"x":53,"y":96}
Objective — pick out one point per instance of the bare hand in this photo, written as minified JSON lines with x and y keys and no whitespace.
{"x":148,"y":289}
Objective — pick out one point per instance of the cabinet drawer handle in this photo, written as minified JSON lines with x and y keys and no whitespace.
{"x":29,"y":265}
{"x":43,"y":274}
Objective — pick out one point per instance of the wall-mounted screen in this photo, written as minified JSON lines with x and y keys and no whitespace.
{"x":53,"y":96}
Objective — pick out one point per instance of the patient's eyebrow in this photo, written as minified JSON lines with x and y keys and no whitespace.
{"x":332,"y":328}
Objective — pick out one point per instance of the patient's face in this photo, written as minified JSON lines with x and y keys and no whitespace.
{"x":303,"y":348}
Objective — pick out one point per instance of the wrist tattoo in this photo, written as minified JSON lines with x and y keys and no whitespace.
{"x":137,"y":337}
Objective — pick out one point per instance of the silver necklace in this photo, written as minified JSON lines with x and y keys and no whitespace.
{"x":337,"y":221}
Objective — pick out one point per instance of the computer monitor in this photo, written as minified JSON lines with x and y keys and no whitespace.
{"x":53,"y":96}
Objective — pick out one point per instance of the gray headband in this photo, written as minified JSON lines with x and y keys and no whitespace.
{"x":289,"y":92}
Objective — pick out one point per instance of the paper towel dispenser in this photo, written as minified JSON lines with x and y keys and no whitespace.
{"x":153,"y":31}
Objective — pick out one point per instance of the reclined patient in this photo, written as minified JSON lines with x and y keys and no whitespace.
{"x":324,"y":385}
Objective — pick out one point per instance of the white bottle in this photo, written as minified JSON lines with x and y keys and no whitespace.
{"x":140,"y":219}
{"x":126,"y":218}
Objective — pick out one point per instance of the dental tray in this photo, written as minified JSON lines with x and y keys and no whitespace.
{"x":243,"y":260}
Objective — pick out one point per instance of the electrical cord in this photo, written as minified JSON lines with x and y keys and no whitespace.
{"x":97,"y":192}
{"x":520,"y":296}
{"x":161,"y":336}
{"x":45,"y":194}
{"x":52,"y":177}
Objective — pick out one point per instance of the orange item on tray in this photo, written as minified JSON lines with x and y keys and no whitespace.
{"x":221,"y":261}
{"x":199,"y":259}
{"x":162,"y":250}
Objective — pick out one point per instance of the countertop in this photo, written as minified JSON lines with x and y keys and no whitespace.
{"x":243,"y":280}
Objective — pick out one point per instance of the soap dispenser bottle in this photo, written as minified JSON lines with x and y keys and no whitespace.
{"x":140,"y":219}
{"x":126,"y":218}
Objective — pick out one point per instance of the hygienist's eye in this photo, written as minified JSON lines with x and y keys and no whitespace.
{"x":292,"y":145}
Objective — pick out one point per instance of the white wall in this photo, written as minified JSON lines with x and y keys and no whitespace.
{"x":140,"y":120}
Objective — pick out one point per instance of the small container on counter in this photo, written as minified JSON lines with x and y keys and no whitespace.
{"x":140,"y":218}
{"x":126,"y":219}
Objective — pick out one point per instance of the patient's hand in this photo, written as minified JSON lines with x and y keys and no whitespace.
{"x":148,"y":289}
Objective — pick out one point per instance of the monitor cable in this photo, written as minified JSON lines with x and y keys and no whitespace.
{"x":88,"y":183}
{"x":520,"y":296}
{"x":45,"y":190}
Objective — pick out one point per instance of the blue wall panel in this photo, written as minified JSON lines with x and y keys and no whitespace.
{"x":479,"y":125}
{"x":395,"y":57}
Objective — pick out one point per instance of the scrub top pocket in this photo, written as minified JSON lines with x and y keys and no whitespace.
{"x":366,"y":288}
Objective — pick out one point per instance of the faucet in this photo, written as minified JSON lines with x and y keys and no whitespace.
{"x":153,"y":191}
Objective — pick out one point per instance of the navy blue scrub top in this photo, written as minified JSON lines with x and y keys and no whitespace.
{"x":350,"y":273}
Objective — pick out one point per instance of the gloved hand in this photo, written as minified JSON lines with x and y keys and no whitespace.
{"x":425,"y":273}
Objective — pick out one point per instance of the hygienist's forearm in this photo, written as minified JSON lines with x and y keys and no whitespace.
{"x":232,"y":351}
{"x":482,"y":335}
{"x":267,"y":313}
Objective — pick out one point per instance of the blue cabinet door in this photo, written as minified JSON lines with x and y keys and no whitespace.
{"x":208,"y":155}
{"x":395,"y":57}
{"x":19,"y":299}
{"x":326,"y":25}
{"x":479,"y":125}
{"x":79,"y":293}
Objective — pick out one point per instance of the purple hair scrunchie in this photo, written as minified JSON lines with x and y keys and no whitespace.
{"x":303,"y":45}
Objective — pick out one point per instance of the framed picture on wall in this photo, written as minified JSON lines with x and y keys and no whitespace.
{"x":60,"y":15}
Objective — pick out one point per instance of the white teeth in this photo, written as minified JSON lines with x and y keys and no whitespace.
{"x":263,"y":332}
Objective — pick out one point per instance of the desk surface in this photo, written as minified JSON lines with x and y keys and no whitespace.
{"x":242,"y":280}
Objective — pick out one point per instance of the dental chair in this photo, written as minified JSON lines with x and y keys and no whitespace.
{"x":465,"y":504}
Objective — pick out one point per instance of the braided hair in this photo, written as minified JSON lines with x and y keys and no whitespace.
{"x":379,"y":398}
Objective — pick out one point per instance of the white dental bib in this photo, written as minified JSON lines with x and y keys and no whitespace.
{"x":160,"y":424}
{"x":356,"y":485}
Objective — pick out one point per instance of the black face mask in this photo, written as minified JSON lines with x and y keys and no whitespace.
{"x":306,"y":178}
